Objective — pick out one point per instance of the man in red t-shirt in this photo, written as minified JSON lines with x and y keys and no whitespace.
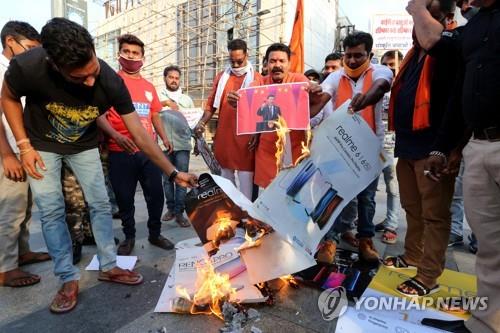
{"x":129,"y":165}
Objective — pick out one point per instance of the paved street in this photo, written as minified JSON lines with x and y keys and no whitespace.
{"x":105,"y":307}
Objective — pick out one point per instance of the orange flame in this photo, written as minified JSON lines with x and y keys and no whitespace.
{"x":305,"y":151}
{"x":211,"y":289}
{"x":281,"y":131}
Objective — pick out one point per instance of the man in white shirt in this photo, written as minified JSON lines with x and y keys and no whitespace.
{"x":365,"y":84}
{"x":15,"y":199}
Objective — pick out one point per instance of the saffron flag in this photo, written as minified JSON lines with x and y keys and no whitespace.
{"x":297,"y":40}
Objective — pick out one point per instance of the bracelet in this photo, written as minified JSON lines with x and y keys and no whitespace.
{"x":25,"y":151}
{"x":20,"y":142}
{"x":440,"y":154}
{"x":174,"y":174}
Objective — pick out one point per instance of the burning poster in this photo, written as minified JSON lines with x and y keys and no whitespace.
{"x":260,"y":107}
{"x":302,"y":203}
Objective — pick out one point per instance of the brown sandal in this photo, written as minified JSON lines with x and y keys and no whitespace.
{"x":24,"y":279}
{"x":125,"y":276}
{"x":64,"y":302}
{"x":33,"y":258}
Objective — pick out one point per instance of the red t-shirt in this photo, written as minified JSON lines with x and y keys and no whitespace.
{"x":146,"y":102}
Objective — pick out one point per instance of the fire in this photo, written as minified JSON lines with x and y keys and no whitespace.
{"x":252,"y":241}
{"x":305,"y":152}
{"x":222,"y":228}
{"x":212,"y":289}
{"x":281,"y":131}
{"x":290,"y":280}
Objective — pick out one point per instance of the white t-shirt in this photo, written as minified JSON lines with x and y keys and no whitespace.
{"x":4,"y":64}
{"x":331,"y":85}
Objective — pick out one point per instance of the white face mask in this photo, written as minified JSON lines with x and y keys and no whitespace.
{"x":239,"y":71}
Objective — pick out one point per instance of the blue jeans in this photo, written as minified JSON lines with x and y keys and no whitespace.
{"x":457,"y":205}
{"x":393,"y":204}
{"x":48,"y":196}
{"x":175,"y":195}
{"x":125,"y":171}
{"x":363,"y":205}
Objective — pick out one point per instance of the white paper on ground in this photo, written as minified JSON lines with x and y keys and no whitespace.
{"x":124,"y":262}
{"x":355,"y":321}
{"x":183,"y":274}
{"x":188,"y":243}
{"x":274,"y":258}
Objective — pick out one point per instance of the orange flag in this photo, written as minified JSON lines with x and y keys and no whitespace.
{"x":297,"y":40}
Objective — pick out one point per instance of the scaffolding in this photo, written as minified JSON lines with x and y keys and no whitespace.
{"x":191,"y":34}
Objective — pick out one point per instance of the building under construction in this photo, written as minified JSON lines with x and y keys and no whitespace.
{"x":193,"y":34}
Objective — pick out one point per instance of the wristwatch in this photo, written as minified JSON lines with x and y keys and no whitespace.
{"x":172,"y":175}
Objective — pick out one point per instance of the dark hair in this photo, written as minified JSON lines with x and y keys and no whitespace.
{"x":447,"y":6}
{"x":278,"y":47}
{"x":19,"y":30}
{"x":312,"y":72}
{"x":68,"y":44}
{"x":271,"y":95}
{"x":357,"y":38}
{"x":237,"y":44}
{"x":171,"y":68}
{"x":333,"y":56}
{"x":130,"y":39}
{"x":392,"y":55}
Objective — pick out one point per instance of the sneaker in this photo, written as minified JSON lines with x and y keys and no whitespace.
{"x":126,"y":247}
{"x":381,"y":226}
{"x":367,"y":250}
{"x":472,"y":244}
{"x":326,"y":252}
{"x":169,"y":215}
{"x":455,"y":240}
{"x":161,"y":242}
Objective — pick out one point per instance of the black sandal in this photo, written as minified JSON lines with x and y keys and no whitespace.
{"x":418,"y":287}
{"x":397,"y":262}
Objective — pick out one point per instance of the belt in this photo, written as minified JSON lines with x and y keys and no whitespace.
{"x":490,"y":134}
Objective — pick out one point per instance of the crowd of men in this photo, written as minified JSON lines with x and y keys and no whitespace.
{"x":75,"y":134}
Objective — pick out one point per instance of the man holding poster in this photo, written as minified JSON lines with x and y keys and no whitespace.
{"x":278,"y":56}
{"x":232,"y":151}
{"x":366,"y":84}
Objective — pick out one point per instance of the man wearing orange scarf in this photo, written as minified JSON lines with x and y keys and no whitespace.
{"x":365,"y":84}
{"x":418,"y":101}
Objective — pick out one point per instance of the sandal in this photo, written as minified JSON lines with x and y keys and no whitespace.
{"x":33,"y":258}
{"x":456,"y":305}
{"x":389,"y":237}
{"x":23,"y":279}
{"x":124,"y":276}
{"x":397,"y":262}
{"x":64,"y":301}
{"x":417,"y":287}
{"x":350,"y":239}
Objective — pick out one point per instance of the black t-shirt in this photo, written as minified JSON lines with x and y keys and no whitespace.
{"x":60,"y":117}
{"x":411,"y":144}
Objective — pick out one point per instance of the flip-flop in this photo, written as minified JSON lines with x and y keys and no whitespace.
{"x":36,"y":258}
{"x":70,"y":300}
{"x":389,"y":237}
{"x":397,"y":262}
{"x":418,"y":287}
{"x":121,"y":277}
{"x":22,"y":281}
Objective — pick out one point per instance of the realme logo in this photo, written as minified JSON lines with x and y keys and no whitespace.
{"x":209,"y":193}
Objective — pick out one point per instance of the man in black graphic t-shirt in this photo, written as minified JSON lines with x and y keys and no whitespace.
{"x":67,"y":87}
